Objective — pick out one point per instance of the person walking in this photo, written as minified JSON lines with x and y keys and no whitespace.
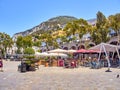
{"x":1,"y":64}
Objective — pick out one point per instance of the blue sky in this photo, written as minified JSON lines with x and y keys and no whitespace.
{"x":20,"y":15}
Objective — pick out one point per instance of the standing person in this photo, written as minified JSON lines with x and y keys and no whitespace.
{"x":1,"y":65}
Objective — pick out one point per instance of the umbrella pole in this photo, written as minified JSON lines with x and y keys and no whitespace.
{"x":100,"y":53}
{"x":118,"y":57}
{"x":108,"y":70}
{"x":107,"y":60}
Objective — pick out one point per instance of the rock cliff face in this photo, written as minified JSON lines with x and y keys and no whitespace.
{"x":92,"y":21}
{"x":52,"y":24}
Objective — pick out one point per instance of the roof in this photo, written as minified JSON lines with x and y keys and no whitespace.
{"x":108,"y":47}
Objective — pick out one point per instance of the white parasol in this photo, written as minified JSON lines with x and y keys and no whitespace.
{"x":51,"y":54}
{"x":58,"y":51}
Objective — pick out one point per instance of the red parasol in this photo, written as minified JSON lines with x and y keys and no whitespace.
{"x":82,"y":51}
{"x":87,"y":51}
{"x":93,"y":51}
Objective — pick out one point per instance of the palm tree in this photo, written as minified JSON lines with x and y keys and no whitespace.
{"x":5,"y":42}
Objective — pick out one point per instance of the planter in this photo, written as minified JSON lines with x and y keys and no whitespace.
{"x":39,"y":63}
{"x":46,"y":64}
{"x":55,"y":63}
{"x":42,"y":62}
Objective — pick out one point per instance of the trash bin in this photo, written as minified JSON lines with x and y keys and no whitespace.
{"x":23,"y":67}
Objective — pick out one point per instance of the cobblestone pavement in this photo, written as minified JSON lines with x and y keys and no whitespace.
{"x":58,"y":78}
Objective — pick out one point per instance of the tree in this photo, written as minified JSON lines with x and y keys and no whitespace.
{"x":63,"y":39}
{"x":79,"y":27}
{"x":29,"y":51}
{"x":47,"y":39}
{"x":24,"y":42}
{"x":19,"y":44}
{"x":27,"y":41}
{"x":114,"y":22}
{"x":70,"y":28}
{"x":5,"y":42}
{"x":82,"y":27}
{"x":102,"y":27}
{"x":95,"y":35}
{"x":99,"y":33}
{"x":37,"y":43}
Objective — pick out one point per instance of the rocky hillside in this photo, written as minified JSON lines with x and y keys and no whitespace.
{"x":92,"y":21}
{"x":52,"y":24}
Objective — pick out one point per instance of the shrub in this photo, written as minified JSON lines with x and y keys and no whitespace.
{"x":29,"y":51}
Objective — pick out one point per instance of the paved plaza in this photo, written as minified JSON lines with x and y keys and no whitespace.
{"x":58,"y":78}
